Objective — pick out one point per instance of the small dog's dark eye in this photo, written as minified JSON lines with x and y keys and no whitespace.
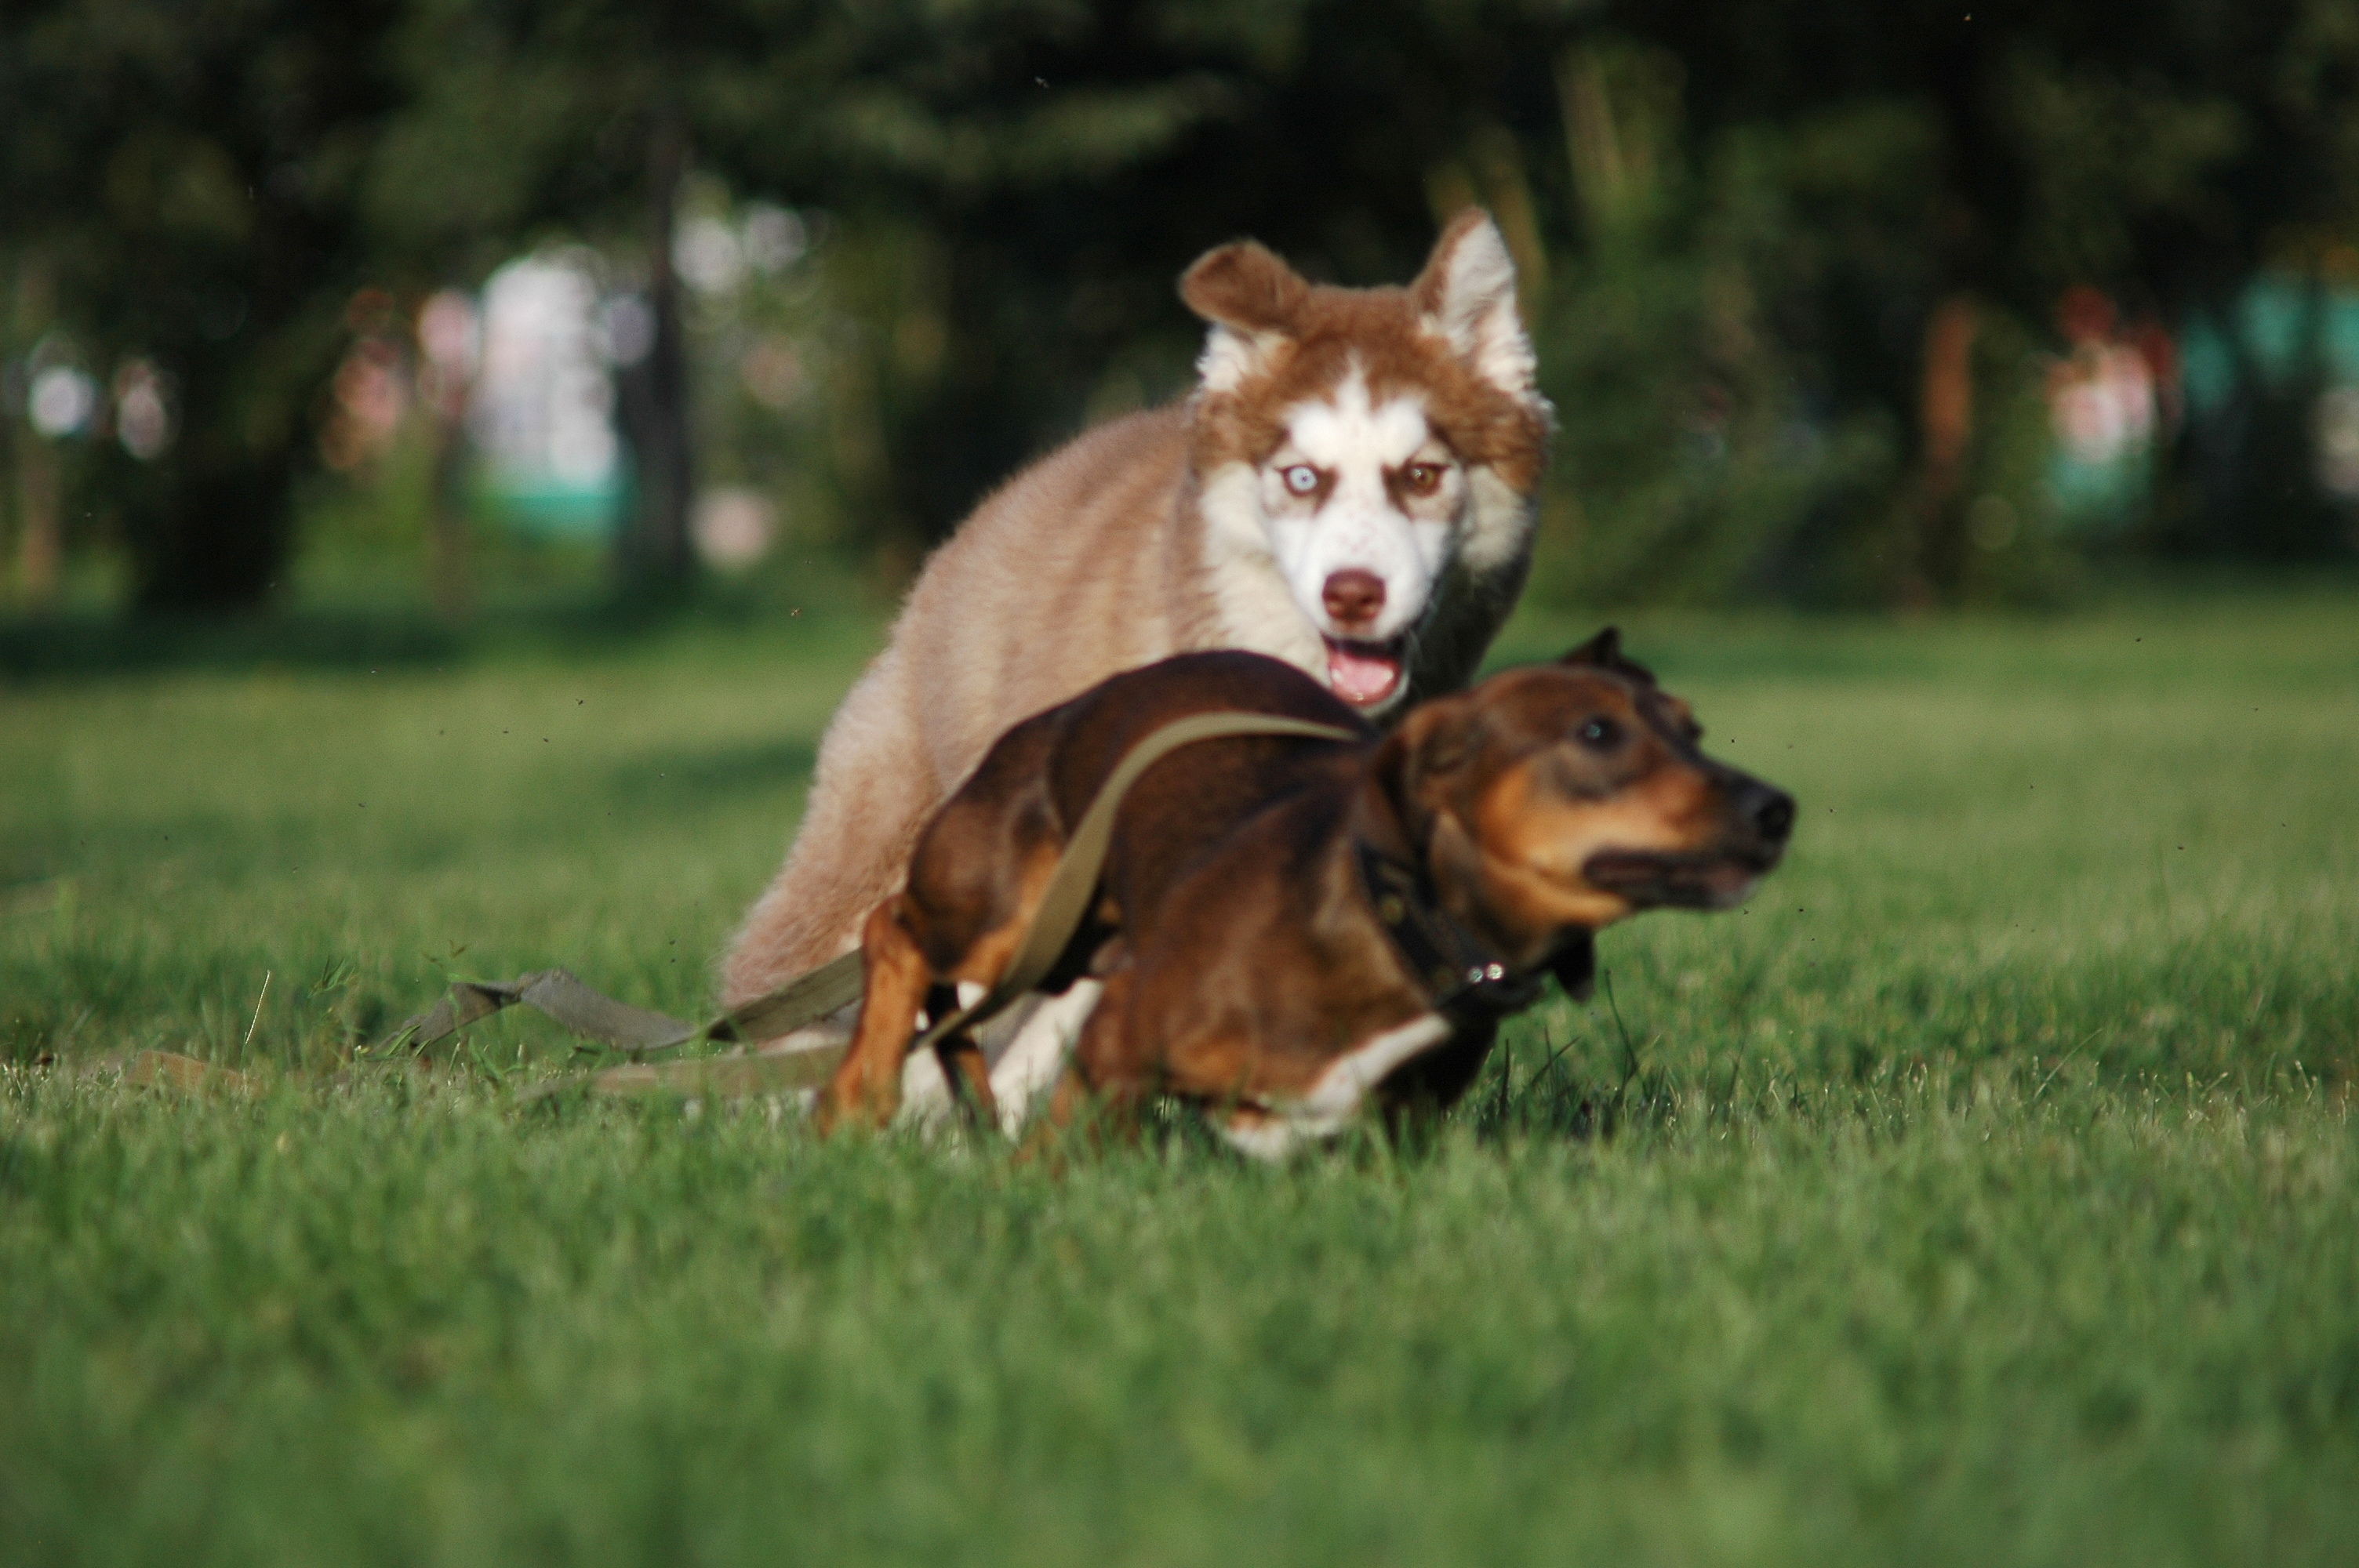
{"x":1599,"y":734}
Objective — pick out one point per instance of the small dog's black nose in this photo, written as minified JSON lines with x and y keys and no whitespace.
{"x":1771,"y":810}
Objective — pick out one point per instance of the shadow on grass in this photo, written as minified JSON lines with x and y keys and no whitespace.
{"x":78,"y":645}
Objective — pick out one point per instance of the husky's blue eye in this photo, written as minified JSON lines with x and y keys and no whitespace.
{"x":1301,"y":479}
{"x":1599,"y":734}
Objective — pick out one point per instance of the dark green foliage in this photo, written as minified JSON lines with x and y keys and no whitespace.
{"x":1738,"y":224}
{"x":182,"y":177}
{"x":2165,"y":157}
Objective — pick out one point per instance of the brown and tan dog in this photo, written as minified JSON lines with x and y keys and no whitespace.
{"x":1285,"y":925}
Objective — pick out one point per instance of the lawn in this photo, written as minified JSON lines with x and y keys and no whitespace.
{"x":1987,"y":1191}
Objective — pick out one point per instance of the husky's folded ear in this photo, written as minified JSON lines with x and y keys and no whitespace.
{"x":1244,"y":286}
{"x":1467,"y":294}
{"x":1604,"y":651}
{"x":1252,"y":299}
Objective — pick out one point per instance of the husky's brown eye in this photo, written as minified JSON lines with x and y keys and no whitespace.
{"x":1422,"y":479}
{"x":1301,"y":479}
{"x":1599,"y":734}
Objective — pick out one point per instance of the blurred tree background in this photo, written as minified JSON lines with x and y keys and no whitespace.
{"x":1839,"y":303}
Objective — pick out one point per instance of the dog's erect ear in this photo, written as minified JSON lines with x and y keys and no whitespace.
{"x":1467,"y":292}
{"x":1251,"y":297}
{"x":1604,"y":652}
{"x":1575,"y":967}
{"x":1605,"y":648}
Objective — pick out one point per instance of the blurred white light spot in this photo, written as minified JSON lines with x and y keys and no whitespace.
{"x":775,"y":239}
{"x":708,"y":256}
{"x":544,"y":402}
{"x":772,"y":370}
{"x":2337,"y":428}
{"x":627,"y":330}
{"x":581,"y":452}
{"x":2102,"y":402}
{"x":732,"y":527}
{"x":448,"y":332}
{"x":143,"y":422}
{"x":61,"y":401}
{"x":450,"y":350}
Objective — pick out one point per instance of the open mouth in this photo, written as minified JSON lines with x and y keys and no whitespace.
{"x":1694,"y":879}
{"x":1363,"y":674}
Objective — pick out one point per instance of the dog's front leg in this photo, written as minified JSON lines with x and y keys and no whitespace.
{"x":969,"y":1079}
{"x":1100,"y":1090}
{"x":867,"y":1085}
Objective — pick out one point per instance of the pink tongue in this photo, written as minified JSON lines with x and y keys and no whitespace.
{"x":1360,"y":678}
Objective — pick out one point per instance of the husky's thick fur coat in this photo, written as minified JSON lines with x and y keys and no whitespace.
{"x":1349,"y":489}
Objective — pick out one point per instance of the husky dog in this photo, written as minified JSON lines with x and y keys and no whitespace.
{"x":1349,"y":489}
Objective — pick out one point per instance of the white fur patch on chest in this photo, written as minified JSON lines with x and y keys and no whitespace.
{"x":1272,"y":1131}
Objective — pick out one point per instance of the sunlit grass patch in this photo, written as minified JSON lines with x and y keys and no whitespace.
{"x":1984,"y":1192}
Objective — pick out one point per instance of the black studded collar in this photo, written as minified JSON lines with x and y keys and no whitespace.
{"x":1465,"y":979}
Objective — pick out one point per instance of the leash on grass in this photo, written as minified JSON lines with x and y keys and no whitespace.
{"x":810,"y":997}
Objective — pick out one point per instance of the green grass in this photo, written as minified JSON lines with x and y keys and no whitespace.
{"x":1985,"y":1192}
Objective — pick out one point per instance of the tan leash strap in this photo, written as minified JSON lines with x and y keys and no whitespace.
{"x":635,"y":1030}
{"x":167,"y":1070}
{"x":708,"y":1077}
{"x":807,"y":997}
{"x":1072,"y":885}
{"x":1067,"y":897}
{"x":812,"y":996}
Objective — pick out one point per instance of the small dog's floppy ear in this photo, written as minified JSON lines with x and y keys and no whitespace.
{"x":1431,"y":740}
{"x":1251,"y":297}
{"x":1467,"y":292}
{"x":1604,"y":652}
{"x":1575,"y":968}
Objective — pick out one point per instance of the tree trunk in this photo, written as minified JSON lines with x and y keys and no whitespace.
{"x":446,"y":524}
{"x":39,"y":524}
{"x":211,"y":534}
{"x":210,"y":522}
{"x":1934,"y":569}
{"x":654,"y":395}
{"x":38,"y":503}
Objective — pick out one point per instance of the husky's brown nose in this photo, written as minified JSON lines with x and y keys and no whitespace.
{"x":1353,"y":596}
